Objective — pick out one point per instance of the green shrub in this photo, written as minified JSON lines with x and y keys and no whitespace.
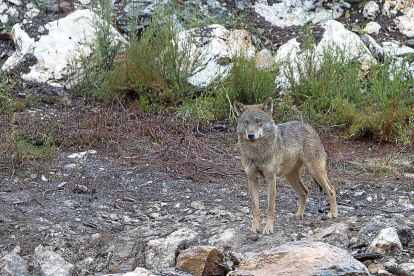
{"x":95,"y":67}
{"x":379,"y":106}
{"x":156,"y":68}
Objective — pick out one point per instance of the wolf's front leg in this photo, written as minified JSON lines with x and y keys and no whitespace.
{"x":271,"y":197}
{"x":254,"y":195}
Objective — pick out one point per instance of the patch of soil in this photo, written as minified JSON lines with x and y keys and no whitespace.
{"x":144,"y":161}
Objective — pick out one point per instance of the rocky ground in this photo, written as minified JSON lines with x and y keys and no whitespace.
{"x":99,"y":208}
{"x":121,"y":182}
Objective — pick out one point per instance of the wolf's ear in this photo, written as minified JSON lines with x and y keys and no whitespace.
{"x":238,"y":108}
{"x":267,"y":106}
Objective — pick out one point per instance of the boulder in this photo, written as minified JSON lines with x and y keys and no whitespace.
{"x":371,"y":230}
{"x":403,"y":11}
{"x":336,"y":36}
{"x":386,"y":242}
{"x":215,"y":46}
{"x":301,"y":258}
{"x":162,"y":253}
{"x":336,"y":234}
{"x":13,"y":265}
{"x":202,"y":261}
{"x":66,"y":40}
{"x":51,"y":263}
{"x":287,"y":13}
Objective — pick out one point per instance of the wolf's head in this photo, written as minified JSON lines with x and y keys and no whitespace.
{"x":254,"y":121}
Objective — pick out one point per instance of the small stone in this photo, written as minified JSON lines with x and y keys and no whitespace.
{"x":371,"y":10}
{"x":374,"y":268}
{"x":81,"y":189}
{"x":198,"y":205}
{"x":245,"y":210}
{"x":410,"y":43}
{"x":372,"y":28}
{"x":44,"y":179}
{"x":113,"y":217}
{"x":126,"y":219}
{"x":62,"y":184}
{"x":70,"y":166}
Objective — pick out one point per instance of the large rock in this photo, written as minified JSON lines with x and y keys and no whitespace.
{"x":162,"y":253}
{"x":66,"y":40}
{"x":301,"y":258}
{"x":371,"y":230}
{"x":335,"y":37}
{"x":13,"y":265}
{"x":216,"y":46}
{"x":335,"y":234}
{"x":386,"y":242}
{"x":139,"y":271}
{"x":296,"y":12}
{"x":202,"y":261}
{"x":51,"y":263}
{"x":403,"y":11}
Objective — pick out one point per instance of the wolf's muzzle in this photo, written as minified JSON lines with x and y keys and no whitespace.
{"x":250,"y":135}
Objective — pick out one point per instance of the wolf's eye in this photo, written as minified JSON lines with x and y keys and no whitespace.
{"x":258,"y":121}
{"x":246,"y":122}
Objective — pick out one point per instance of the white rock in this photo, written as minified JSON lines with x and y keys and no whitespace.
{"x":161,"y":253}
{"x":16,"y":2}
{"x":264,"y":59}
{"x":82,"y":154}
{"x":3,"y":7}
{"x":12,"y":11}
{"x":404,"y":22}
{"x":335,"y":36}
{"x":386,"y":241}
{"x":197,"y":205}
{"x":297,"y":12}
{"x":31,"y":13}
{"x":408,"y":268}
{"x":139,"y":271}
{"x":51,"y":263}
{"x":222,"y":44}
{"x":371,"y":10}
{"x":375,"y":49}
{"x":229,"y":237}
{"x":68,"y":39}
{"x":395,"y":49}
{"x":372,"y":28}
{"x":13,"y":264}
{"x":4,"y":18}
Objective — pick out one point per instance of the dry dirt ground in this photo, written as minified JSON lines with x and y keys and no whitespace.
{"x":147,"y":170}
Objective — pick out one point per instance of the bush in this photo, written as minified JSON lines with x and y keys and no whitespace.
{"x":380,"y":106}
{"x":156,"y":67}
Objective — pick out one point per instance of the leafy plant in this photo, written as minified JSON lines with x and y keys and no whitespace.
{"x":156,"y":68}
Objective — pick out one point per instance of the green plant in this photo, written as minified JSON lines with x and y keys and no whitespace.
{"x":329,"y":90}
{"x":104,"y":49}
{"x":156,"y":67}
{"x":248,"y":84}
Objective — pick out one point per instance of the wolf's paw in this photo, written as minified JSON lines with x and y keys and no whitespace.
{"x":255,"y":229}
{"x":268,"y":229}
{"x":299,"y":215}
{"x":332,"y":215}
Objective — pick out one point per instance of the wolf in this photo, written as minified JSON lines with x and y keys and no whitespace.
{"x":272,"y":150}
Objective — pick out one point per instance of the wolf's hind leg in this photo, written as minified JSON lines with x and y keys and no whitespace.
{"x":293,"y":177}
{"x":318,"y":171}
